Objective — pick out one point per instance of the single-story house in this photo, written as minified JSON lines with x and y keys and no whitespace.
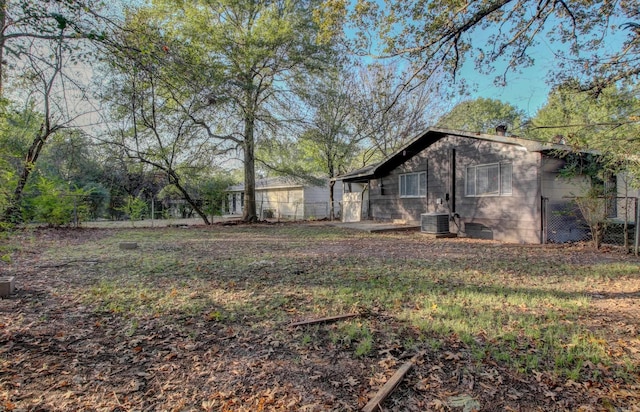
{"x":287,"y":198}
{"x":471,"y":184}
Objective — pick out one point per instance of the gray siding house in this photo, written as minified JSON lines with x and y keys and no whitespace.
{"x":488,"y":186}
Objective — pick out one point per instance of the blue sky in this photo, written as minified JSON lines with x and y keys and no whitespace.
{"x":527,"y":90}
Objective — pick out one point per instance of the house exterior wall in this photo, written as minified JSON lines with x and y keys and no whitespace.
{"x":559,"y":189}
{"x":280,"y":203}
{"x":510,"y":218}
{"x":627,"y":186}
{"x":627,"y":193}
{"x":317,"y":204}
{"x":283,"y":200}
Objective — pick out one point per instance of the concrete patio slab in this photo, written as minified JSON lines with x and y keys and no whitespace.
{"x":374,"y":227}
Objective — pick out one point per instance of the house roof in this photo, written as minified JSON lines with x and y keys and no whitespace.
{"x":429,"y":137}
{"x":279,"y":182}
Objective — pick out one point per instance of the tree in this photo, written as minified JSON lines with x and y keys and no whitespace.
{"x":386,"y":113}
{"x":7,"y":178}
{"x":68,"y":160}
{"x":56,"y":203}
{"x":329,"y":142}
{"x":24,"y":22}
{"x":599,"y":39}
{"x":44,"y":75}
{"x":134,"y":207}
{"x":213,"y":191}
{"x":18,"y":124}
{"x":44,"y":39}
{"x":157,"y":116}
{"x":483,"y":115}
{"x":594,"y":210}
{"x":72,"y":156}
{"x":259,"y":48}
{"x":606,"y":121}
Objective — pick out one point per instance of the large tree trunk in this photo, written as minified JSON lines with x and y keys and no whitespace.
{"x":249,"y":213}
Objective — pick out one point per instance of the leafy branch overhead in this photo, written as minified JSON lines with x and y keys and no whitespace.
{"x":443,"y":35}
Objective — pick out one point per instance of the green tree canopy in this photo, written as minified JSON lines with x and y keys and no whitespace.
{"x":606,"y":122}
{"x":255,"y":50}
{"x":483,"y":115}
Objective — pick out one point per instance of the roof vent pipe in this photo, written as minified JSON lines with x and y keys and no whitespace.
{"x":501,"y":130}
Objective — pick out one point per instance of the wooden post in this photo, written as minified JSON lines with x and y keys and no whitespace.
{"x":637,"y":229}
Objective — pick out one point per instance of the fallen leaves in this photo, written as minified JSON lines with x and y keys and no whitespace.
{"x":452,"y":356}
{"x":233,"y":350}
{"x":466,"y":402}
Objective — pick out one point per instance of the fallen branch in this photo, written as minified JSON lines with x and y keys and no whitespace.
{"x":391,"y":384}
{"x":324,"y":320}
{"x":71,"y":262}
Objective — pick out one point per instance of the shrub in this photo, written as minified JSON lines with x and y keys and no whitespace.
{"x":134,"y":207}
{"x":595,"y":212}
{"x":56,"y":204}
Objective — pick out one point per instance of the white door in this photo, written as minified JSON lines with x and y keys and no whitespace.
{"x":351,"y":207}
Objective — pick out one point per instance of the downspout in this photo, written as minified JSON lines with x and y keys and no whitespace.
{"x":452,"y":183}
{"x":426,"y":189}
{"x":451,"y":196}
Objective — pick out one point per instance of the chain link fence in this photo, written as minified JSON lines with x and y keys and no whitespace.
{"x":297,"y":210}
{"x":565,"y":221}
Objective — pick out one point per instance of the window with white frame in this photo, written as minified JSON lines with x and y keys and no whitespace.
{"x":413,"y":185}
{"x":494,"y":179}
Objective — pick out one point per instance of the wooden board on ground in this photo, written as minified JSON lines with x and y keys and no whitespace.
{"x":391,"y":384}
{"x":324,"y":320}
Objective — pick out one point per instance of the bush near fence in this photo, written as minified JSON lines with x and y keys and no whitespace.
{"x":565,"y":223}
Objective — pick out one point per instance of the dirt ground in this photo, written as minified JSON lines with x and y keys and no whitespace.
{"x":59,"y":353}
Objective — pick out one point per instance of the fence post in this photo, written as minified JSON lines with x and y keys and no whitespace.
{"x":637,"y":229}
{"x":545,"y":220}
{"x":75,"y":211}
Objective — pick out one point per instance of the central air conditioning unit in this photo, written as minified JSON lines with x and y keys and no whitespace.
{"x":435,"y":223}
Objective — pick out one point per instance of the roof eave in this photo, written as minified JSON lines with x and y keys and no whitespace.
{"x":432,"y":135}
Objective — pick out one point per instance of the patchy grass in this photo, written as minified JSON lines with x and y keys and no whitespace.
{"x":490,"y":317}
